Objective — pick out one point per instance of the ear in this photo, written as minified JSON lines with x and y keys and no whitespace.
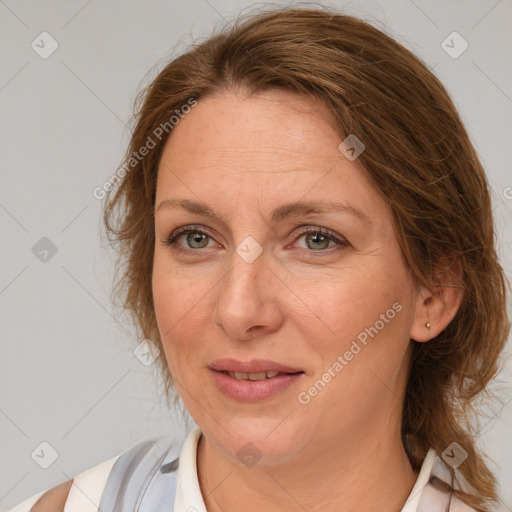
{"x":437,"y":304}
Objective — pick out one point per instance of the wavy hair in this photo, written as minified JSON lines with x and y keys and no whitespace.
{"x":418,"y":156}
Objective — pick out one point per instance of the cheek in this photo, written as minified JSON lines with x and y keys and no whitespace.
{"x":338,"y":305}
{"x":182,"y":305}
{"x":359,"y":314}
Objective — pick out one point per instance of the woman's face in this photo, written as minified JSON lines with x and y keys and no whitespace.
{"x":245,"y":284}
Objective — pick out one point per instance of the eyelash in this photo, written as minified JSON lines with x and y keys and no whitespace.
{"x":171,"y":241}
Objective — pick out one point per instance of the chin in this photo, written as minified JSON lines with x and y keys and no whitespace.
{"x":268,"y":441}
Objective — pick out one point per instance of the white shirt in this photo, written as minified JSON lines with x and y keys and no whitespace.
{"x":188,"y":492}
{"x":88,"y":486}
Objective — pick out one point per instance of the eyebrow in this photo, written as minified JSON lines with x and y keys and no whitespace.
{"x":277,"y":215}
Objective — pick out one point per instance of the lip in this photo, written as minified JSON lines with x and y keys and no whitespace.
{"x":253,"y":366}
{"x":253,"y":390}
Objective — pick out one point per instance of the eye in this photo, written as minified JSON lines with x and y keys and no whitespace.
{"x":196,"y":238}
{"x":317,"y":239}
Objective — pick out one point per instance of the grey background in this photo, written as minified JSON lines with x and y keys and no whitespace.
{"x":68,"y":373}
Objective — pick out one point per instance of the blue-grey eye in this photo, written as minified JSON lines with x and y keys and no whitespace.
{"x":321,"y":241}
{"x":194,"y":237}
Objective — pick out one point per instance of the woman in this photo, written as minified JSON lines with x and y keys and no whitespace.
{"x":312,"y":249}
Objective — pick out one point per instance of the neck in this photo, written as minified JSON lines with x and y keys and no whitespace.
{"x":362,"y":475}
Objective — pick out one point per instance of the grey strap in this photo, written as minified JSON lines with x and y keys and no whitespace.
{"x":143,"y":479}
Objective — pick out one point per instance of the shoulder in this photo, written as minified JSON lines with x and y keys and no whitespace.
{"x":87,"y":487}
{"x":54,"y":499}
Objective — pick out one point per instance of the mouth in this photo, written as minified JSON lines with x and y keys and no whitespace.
{"x":254,"y":368}
{"x":245,"y":386}
{"x":256,"y":375}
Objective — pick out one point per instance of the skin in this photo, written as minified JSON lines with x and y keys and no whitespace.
{"x":53,"y":500}
{"x":300,"y":303}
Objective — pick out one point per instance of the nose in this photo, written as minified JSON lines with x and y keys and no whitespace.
{"x":247,"y":304}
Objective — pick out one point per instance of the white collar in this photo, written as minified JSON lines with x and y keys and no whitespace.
{"x":188,"y":492}
{"x":412,"y":502}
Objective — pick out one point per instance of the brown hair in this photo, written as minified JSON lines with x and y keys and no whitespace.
{"x":418,"y":156}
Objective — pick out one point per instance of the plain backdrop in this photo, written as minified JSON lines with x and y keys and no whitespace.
{"x":69,"y":376}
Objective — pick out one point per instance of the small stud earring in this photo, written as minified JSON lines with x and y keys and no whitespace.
{"x":427,"y":325}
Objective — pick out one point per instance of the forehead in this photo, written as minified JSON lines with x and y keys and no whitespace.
{"x":266,"y":146}
{"x":233,"y":126}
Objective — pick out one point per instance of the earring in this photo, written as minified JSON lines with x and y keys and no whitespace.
{"x":427,"y":325}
